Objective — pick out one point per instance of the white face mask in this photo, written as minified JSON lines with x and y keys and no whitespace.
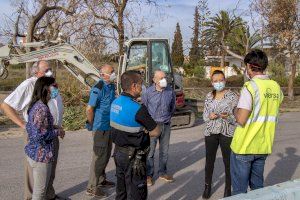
{"x":49,"y":73}
{"x":219,"y":86}
{"x":112,"y":77}
{"x":163,"y":83}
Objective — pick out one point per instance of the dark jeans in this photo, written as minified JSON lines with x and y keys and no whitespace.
{"x":164,"y":140}
{"x":129,"y":185}
{"x":247,"y":170}
{"x":211,"y":145}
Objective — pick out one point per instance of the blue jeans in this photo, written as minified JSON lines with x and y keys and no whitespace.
{"x":246,"y":170}
{"x":164,"y":140}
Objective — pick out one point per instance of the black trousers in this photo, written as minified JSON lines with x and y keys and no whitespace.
{"x":129,"y":186}
{"x":212,"y":143}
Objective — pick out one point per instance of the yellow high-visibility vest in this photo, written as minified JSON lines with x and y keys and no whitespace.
{"x":257,"y":136}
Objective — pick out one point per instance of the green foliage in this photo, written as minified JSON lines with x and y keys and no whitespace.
{"x":75,"y":96}
{"x":236,"y":69}
{"x":177,"y":48}
{"x":297,"y":81}
{"x":277,"y":73}
{"x":221,"y":26}
{"x":195,"y":50}
{"x":14,"y":78}
{"x":235,"y":81}
{"x":196,"y":82}
{"x":240,"y":39}
{"x":199,"y":71}
{"x":74,"y":118}
{"x":18,"y":66}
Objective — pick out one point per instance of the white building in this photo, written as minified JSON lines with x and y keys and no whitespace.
{"x":229,"y":70}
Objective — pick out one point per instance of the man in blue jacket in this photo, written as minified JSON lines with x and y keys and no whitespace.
{"x":98,"y":118}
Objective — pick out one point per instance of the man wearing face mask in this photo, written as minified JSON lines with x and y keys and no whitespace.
{"x":160,"y":102}
{"x":257,"y":116}
{"x":129,"y":120}
{"x":18,"y":101}
{"x":98,"y":117}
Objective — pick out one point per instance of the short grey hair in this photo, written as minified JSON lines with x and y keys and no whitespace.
{"x":36,"y":67}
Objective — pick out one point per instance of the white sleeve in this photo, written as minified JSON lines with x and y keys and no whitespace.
{"x":20,"y":98}
{"x":245,"y":101}
{"x":56,"y":109}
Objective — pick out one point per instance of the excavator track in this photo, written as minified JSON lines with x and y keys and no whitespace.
{"x":183,"y":118}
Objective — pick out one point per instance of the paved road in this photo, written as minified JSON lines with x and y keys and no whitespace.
{"x":186,"y":161}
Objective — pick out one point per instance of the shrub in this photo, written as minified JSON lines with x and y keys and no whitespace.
{"x":196,"y":82}
{"x":199,"y":71}
{"x":235,"y":81}
{"x":277,"y":73}
{"x":74,"y":117}
{"x":75,"y":97}
{"x":297,"y":81}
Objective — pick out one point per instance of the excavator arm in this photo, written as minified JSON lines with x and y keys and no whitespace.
{"x":67,"y":54}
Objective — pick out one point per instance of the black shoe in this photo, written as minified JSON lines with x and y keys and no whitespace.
{"x":206,"y":193}
{"x":227,"y":192}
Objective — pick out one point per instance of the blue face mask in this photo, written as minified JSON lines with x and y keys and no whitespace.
{"x":54,"y":92}
{"x":219,"y":86}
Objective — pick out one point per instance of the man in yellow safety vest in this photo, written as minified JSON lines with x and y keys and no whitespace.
{"x":256,"y":115}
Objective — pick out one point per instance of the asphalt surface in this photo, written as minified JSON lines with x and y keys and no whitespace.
{"x":186,"y":162}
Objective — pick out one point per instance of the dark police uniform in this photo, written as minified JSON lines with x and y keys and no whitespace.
{"x":128,"y":119}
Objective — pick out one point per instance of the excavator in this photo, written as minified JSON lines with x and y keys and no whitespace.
{"x":143,"y":54}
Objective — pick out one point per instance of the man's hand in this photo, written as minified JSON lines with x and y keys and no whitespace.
{"x":155,"y":132}
{"x":61,"y":133}
{"x":213,"y":116}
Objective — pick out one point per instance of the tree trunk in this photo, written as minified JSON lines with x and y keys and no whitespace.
{"x":121,"y":33}
{"x":29,"y":38}
{"x":222,"y":58}
{"x":291,"y":80}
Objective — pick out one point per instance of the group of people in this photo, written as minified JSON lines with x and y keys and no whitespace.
{"x":243,"y":125}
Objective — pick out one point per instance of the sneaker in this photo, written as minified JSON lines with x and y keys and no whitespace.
{"x":167,"y":178}
{"x":149,"y":181}
{"x":96,"y":193}
{"x":107,"y":183}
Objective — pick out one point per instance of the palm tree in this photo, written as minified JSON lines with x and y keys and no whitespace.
{"x":241,"y":41}
{"x":219,"y":28}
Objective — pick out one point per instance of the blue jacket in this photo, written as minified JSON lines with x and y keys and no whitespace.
{"x":101,"y":97}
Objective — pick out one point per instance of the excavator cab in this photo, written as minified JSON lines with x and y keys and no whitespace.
{"x":147,"y":56}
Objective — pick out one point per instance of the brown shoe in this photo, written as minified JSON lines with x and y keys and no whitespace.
{"x":149,"y":181}
{"x":107,"y":183}
{"x":167,"y":178}
{"x":98,"y":193}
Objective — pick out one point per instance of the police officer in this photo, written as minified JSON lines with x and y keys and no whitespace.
{"x":257,"y":114}
{"x":129,"y":119}
{"x":101,"y":97}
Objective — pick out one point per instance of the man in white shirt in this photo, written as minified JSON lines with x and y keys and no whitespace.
{"x":18,"y":101}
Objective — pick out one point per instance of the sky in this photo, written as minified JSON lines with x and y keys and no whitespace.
{"x":173,"y":11}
